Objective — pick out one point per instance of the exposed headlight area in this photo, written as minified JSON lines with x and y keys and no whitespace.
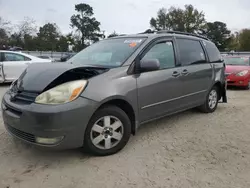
{"x":242,"y":73}
{"x":63,"y":93}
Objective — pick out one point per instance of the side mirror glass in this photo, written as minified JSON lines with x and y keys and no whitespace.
{"x":148,"y":65}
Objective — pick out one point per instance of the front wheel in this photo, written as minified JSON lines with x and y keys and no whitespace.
{"x":108,"y":131}
{"x":211,"y":102}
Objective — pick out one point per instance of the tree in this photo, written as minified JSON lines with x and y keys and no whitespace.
{"x":62,"y":44}
{"x":4,"y":32}
{"x":218,"y":33}
{"x":86,"y":24}
{"x":161,"y":22}
{"x":3,"y":37}
{"x":114,"y":34}
{"x":48,"y":36}
{"x":185,"y":20}
{"x":5,"y":25}
{"x":27,"y":27}
{"x":234,"y":42}
{"x":244,"y":40}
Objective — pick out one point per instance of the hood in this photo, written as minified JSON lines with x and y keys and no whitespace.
{"x":43,"y":76}
{"x":236,"y":68}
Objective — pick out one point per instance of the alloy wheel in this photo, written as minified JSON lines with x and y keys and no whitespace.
{"x":212,"y":99}
{"x":107,"y":132}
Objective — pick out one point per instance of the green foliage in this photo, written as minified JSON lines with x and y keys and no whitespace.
{"x":48,"y":36}
{"x":185,"y":20}
{"x":244,"y":40}
{"x":86,"y":25}
{"x":218,"y":33}
{"x":86,"y":30}
{"x":3,"y":37}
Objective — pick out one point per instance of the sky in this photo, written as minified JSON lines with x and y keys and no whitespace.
{"x":122,"y":16}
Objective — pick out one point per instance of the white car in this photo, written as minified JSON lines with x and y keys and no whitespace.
{"x":12,"y":64}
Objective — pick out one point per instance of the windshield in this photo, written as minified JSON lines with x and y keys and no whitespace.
{"x":111,"y":52}
{"x":237,"y":60}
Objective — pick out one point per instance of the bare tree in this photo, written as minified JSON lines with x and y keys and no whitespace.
{"x":27,"y":27}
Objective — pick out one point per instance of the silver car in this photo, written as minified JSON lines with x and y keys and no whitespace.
{"x":99,"y":97}
{"x":12,"y":64}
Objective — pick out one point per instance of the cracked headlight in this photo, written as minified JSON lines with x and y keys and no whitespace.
{"x":63,"y":93}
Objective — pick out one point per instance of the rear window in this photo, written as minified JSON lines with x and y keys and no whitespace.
{"x":237,"y":60}
{"x":212,"y":51}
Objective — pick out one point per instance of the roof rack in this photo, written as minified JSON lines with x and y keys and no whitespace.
{"x":182,"y":33}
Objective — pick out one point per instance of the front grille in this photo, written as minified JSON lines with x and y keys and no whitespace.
{"x":26,"y":97}
{"x":23,"y":96}
{"x":20,"y":134}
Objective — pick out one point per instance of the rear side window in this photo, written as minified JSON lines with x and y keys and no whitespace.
{"x":14,"y":57}
{"x":212,"y":51}
{"x":191,"y":52}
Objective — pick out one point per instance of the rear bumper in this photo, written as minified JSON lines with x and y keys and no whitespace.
{"x":67,"y":121}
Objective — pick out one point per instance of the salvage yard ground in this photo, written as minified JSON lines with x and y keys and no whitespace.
{"x":190,"y":149}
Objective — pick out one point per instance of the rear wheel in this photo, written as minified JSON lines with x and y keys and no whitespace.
{"x":211,"y":102}
{"x":108,"y":131}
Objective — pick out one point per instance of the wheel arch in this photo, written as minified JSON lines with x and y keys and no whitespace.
{"x":126,"y":106}
{"x":219,"y":85}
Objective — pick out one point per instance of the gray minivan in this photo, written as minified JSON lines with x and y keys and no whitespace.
{"x":99,"y":97}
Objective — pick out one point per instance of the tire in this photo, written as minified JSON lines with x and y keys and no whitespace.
{"x":101,"y":140}
{"x":209,"y":106}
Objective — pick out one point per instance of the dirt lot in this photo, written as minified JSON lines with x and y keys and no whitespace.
{"x":186,"y":150}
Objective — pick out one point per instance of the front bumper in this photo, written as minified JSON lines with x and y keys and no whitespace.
{"x":241,"y":81}
{"x":29,"y":121}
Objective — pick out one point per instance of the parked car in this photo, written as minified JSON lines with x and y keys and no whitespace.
{"x":238,"y":71}
{"x":12,"y":64}
{"x":16,"y":48}
{"x":66,"y":57}
{"x":105,"y":92}
{"x":46,"y":57}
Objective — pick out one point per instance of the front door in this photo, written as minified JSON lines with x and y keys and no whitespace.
{"x":13,"y":65}
{"x":159,"y":91}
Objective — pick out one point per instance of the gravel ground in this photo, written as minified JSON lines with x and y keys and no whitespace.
{"x":185,"y":150}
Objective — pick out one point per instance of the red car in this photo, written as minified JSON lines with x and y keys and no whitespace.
{"x":238,"y":71}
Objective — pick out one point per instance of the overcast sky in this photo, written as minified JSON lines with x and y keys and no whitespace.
{"x":123,"y":16}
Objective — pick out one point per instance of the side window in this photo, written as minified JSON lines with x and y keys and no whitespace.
{"x":191,"y":52}
{"x":164,"y":52}
{"x":13,"y":57}
{"x":212,"y":51}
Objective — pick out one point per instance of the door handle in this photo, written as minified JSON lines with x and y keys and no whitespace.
{"x":27,"y":63}
{"x":185,"y":72}
{"x":175,"y":74}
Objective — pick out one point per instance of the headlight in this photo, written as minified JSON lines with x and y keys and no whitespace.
{"x":242,"y":73}
{"x":63,"y":93}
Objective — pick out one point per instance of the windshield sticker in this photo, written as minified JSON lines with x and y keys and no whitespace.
{"x":133,"y":44}
{"x":133,"y":41}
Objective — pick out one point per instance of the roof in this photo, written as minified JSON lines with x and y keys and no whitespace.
{"x":164,"y":33}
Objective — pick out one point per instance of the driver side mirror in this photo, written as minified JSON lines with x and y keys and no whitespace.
{"x":148,"y":65}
